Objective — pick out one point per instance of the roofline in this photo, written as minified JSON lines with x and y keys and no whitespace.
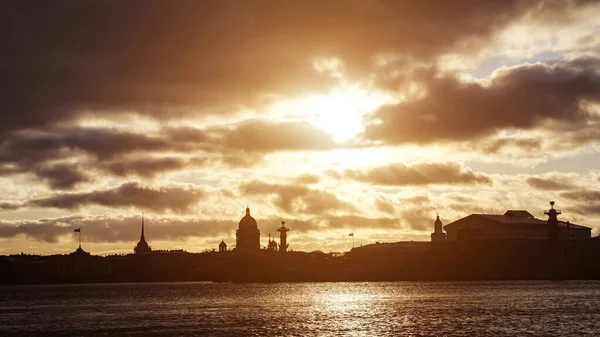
{"x":572,"y":225}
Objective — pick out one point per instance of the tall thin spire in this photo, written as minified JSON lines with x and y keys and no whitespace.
{"x":142,"y":237}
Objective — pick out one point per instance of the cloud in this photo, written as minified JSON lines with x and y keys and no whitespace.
{"x":584,"y":201}
{"x":131,"y":194}
{"x":583,"y":195}
{"x":400,"y":174}
{"x":269,"y":136}
{"x":114,"y":228}
{"x":297,"y":199}
{"x":148,"y":167}
{"x":61,"y":156}
{"x":125,"y":153}
{"x":355,"y":222}
{"x":506,"y":144}
{"x":60,"y":176}
{"x":523,"y":97}
{"x":305,"y":179}
{"x":10,"y":205}
{"x":551,"y":183}
{"x":102,"y":143}
{"x":166,"y":59}
{"x":385,"y":206}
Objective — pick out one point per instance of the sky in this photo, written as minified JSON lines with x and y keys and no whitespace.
{"x":358,"y":116}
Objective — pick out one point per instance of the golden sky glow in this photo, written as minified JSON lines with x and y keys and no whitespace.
{"x":366,"y":118}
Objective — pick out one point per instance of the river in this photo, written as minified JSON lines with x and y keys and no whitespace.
{"x":515,"y":308}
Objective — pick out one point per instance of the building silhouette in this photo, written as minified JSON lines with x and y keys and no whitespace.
{"x":272,"y":245}
{"x":553,"y":223}
{"x":283,"y":245}
{"x":142,"y":245}
{"x":438,"y":234}
{"x":515,"y":224}
{"x":222,"y":246}
{"x":247,"y":236}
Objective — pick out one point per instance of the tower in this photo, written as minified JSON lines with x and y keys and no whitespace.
{"x":552,"y":222}
{"x":142,"y":246}
{"x":283,"y":245}
{"x":438,"y":232}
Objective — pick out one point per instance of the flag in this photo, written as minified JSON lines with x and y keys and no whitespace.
{"x":77,"y":230}
{"x":351,"y":234}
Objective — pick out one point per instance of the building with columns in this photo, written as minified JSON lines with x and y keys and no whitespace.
{"x":515,"y":224}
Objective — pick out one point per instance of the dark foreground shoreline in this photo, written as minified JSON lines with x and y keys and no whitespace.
{"x":462,"y":261}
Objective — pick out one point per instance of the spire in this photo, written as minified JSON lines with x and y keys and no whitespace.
{"x":142,"y":237}
{"x":247,"y":211}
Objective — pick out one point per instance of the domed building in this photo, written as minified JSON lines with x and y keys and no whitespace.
{"x":222,"y":246}
{"x":248,"y":235}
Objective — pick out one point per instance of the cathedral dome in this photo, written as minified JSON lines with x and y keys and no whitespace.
{"x":248,"y":221}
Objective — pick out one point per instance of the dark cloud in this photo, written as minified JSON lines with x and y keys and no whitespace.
{"x":584,"y":201}
{"x":522,"y":97}
{"x":111,"y":228}
{"x":297,"y":199}
{"x":167,"y":58}
{"x":30,"y":148}
{"x":126,"y":153}
{"x":131,"y":194}
{"x":61,"y":176}
{"x":399,"y":174}
{"x":10,"y":205}
{"x":551,"y":183}
{"x":499,"y":145}
{"x":583,"y":195}
{"x":148,"y":167}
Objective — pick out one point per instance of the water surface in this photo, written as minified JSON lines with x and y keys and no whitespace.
{"x":527,"y":308}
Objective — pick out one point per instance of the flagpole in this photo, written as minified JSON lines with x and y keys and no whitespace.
{"x":80,"y":239}
{"x":352,"y":240}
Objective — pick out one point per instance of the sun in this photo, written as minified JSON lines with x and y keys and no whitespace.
{"x":340,"y":112}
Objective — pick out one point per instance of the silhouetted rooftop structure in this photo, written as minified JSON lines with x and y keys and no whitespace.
{"x":283,"y":245}
{"x":248,"y":222}
{"x":438,"y":234}
{"x":248,"y":234}
{"x":142,"y":246}
{"x":518,"y":214}
{"x":222,"y":246}
{"x":80,"y":252}
{"x":514,"y":224}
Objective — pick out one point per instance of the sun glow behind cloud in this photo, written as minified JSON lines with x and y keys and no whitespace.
{"x":340,"y":112}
